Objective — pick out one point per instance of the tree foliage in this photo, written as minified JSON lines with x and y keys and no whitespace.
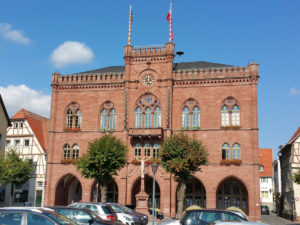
{"x":105,"y":156}
{"x":14,"y":170}
{"x":182,"y":156}
{"x":297,"y":177}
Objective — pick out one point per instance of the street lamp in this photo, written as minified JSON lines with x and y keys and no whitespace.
{"x":154,"y":169}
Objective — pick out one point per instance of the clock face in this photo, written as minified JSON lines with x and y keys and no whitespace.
{"x":148,"y":80}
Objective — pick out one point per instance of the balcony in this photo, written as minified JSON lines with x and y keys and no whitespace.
{"x":146,"y":132}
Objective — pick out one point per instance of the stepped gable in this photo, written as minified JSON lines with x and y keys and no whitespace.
{"x":38,"y":124}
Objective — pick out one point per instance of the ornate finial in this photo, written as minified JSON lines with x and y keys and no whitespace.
{"x":130,"y":20}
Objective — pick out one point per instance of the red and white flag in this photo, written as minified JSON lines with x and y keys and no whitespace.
{"x":169,"y":18}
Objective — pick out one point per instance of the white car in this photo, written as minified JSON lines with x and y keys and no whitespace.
{"x":122,"y":216}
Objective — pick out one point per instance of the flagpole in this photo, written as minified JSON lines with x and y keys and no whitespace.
{"x":170,"y":34}
{"x":130,"y":20}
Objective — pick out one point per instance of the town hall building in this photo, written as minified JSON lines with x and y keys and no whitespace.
{"x":145,"y":101}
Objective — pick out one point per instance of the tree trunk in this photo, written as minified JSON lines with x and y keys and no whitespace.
{"x":182,"y":187}
{"x":11,"y":194}
{"x":103,"y":188}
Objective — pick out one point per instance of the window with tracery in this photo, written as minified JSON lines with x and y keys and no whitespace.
{"x":147,"y":148}
{"x":66,"y":151}
{"x":190,"y":114}
{"x":138,"y":150}
{"x":73,"y":116}
{"x":230,"y":112}
{"x":108,"y":116}
{"x":155,"y":150}
{"x":147,"y":112}
{"x":236,"y":151}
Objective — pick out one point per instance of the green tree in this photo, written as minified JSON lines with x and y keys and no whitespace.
{"x":182,"y":156}
{"x":14,"y":170}
{"x":105,"y":156}
{"x":297,"y":177}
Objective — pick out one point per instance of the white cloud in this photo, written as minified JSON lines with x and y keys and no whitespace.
{"x":13,"y":35}
{"x":294,"y":91}
{"x":18,"y":97}
{"x":71,"y":52}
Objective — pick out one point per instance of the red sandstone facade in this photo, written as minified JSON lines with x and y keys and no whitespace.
{"x":175,"y":86}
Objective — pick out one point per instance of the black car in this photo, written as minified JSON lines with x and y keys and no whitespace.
{"x":265,"y":210}
{"x":81,"y":216}
{"x":139,"y":218}
{"x":32,"y":216}
{"x":159,"y":215}
{"x":206,"y":216}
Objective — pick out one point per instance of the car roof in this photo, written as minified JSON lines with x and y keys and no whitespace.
{"x":93,"y":203}
{"x":33,"y":209}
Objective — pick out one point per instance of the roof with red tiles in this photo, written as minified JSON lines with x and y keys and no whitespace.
{"x":296,"y":134}
{"x":38,"y":124}
{"x":266,"y":160}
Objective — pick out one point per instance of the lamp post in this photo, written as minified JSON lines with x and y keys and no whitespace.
{"x":154,"y":169}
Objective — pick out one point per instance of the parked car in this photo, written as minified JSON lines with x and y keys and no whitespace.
{"x":159,"y":215}
{"x":81,"y":216}
{"x":206,"y":216}
{"x":235,"y":223}
{"x":101,"y":209}
{"x":32,"y":216}
{"x":265,"y":209}
{"x":122,"y":216}
{"x":138,"y":218}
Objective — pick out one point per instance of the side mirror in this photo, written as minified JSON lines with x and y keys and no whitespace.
{"x":91,"y":221}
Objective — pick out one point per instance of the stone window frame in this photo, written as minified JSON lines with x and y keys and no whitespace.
{"x":66,"y":151}
{"x":231,"y":113}
{"x":111,"y":113}
{"x":73,"y":116}
{"x":190,"y":104}
{"x":146,"y":149}
{"x":231,"y":153}
{"x":144,"y":102}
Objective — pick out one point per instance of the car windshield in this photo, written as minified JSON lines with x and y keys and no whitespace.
{"x":126,"y":209}
{"x":106,"y":209}
{"x":117,"y":209}
{"x":59,"y":218}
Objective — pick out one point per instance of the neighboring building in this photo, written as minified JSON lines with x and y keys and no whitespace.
{"x":266,"y":177}
{"x":289,"y":156}
{"x":28,"y":135}
{"x":277,"y":206}
{"x":145,"y":101}
{"x":4,"y":124}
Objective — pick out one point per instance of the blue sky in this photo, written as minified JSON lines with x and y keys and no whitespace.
{"x":38,"y":38}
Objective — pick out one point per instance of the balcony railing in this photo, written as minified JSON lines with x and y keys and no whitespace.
{"x":146,"y":132}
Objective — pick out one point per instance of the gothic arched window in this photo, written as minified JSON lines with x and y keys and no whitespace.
{"x":236,"y":151}
{"x":147,"y":105}
{"x":69,"y":119}
{"x":196,"y":117}
{"x":138,"y":118}
{"x":112,"y":119}
{"x":138,"y":149}
{"x":77,"y":119}
{"x":157,"y":117}
{"x":155,"y":150}
{"x":225,"y":116}
{"x":66,"y":151}
{"x":235,"y":116}
{"x":147,"y":117}
{"x":185,"y":117}
{"x":225,"y":151}
{"x":75,"y":151}
{"x":103,"y":119}
{"x":147,"y":149}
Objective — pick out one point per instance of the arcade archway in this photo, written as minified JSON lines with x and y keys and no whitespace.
{"x":148,"y":189}
{"x":68,"y":190}
{"x":232,"y":192}
{"x":195,"y":194}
